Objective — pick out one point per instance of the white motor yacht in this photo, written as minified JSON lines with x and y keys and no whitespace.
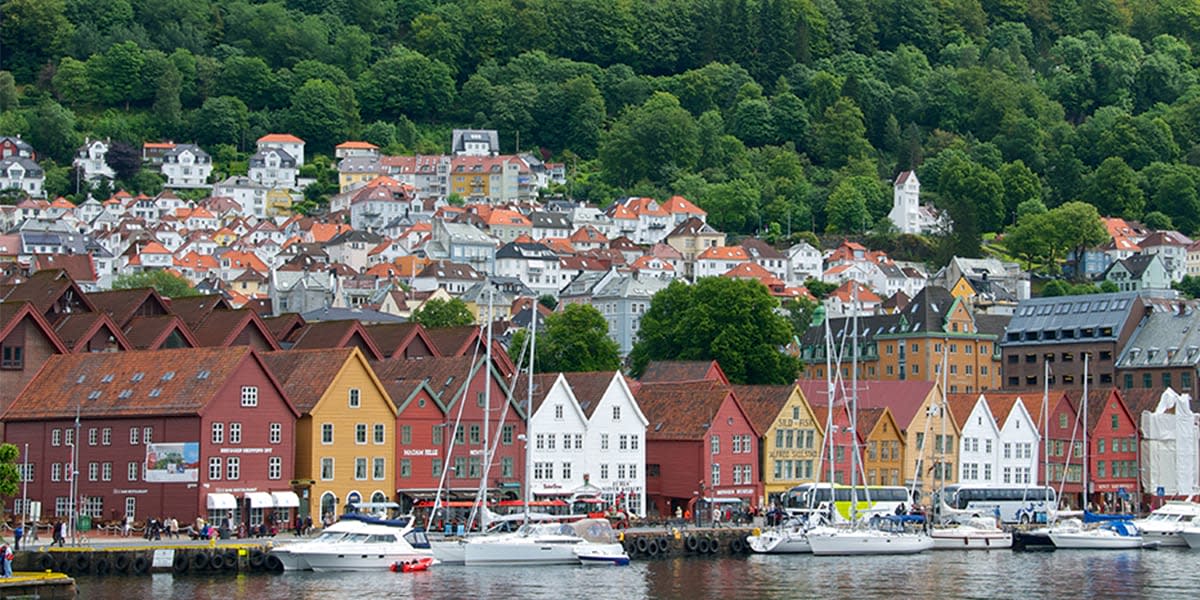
{"x":1191,"y":534}
{"x":789,"y":538}
{"x":356,"y":543}
{"x":1166,"y":523}
{"x":1110,"y":535}
{"x":544,"y":544}
{"x":978,"y":533}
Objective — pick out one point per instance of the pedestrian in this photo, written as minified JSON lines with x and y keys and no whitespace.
{"x":18,"y":533}
{"x":716,"y":517}
{"x":6,"y":558}
{"x":127,"y":525}
{"x":60,"y":533}
{"x":678,"y":512}
{"x":173,"y":527}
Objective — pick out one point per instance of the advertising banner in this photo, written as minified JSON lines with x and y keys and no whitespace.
{"x":176,"y":462}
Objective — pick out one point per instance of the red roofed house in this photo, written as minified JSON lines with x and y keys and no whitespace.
{"x":291,"y":144}
{"x":27,"y":341}
{"x":176,"y":433}
{"x":718,"y":260}
{"x":702,"y":449}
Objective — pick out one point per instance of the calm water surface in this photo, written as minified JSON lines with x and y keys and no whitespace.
{"x":1168,"y":573}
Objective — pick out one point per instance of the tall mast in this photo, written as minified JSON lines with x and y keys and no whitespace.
{"x":854,"y":404}
{"x":487,"y":408}
{"x":529,"y":405}
{"x":1085,"y":431}
{"x":1046,"y":423}
{"x":941,"y":462}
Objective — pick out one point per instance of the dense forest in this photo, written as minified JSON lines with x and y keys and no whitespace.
{"x":777,"y":116}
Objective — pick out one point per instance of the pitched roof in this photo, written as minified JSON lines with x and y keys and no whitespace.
{"x":333,"y":334}
{"x":763,"y":403}
{"x":47,"y":288}
{"x":669,"y":371}
{"x":77,"y":328}
{"x":453,"y":341}
{"x":78,"y":266}
{"x":280,"y":138}
{"x":195,"y":309}
{"x":222,"y":327}
{"x":306,"y":374}
{"x":681,"y":411}
{"x":12,"y":313}
{"x":904,"y":398}
{"x":122,"y":305}
{"x":139,"y":384}
{"x":393,"y":338}
{"x":149,"y":333}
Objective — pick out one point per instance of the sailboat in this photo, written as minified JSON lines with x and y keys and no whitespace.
{"x":544,"y":543}
{"x":1112,"y":534}
{"x":1039,"y":538}
{"x":890,"y":537}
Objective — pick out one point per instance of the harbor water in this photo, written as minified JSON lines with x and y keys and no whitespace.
{"x":1166,"y":573}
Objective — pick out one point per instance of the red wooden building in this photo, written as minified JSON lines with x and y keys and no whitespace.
{"x":1066,"y":450}
{"x":1113,"y":452}
{"x":700,"y":445}
{"x":180,"y":433}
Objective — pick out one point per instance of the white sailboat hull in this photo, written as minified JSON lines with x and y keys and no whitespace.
{"x":955,"y":539}
{"x":1165,"y":538}
{"x":844,"y":543}
{"x":774,"y":542}
{"x":451,"y":552}
{"x":291,"y":561}
{"x":1094,"y":540}
{"x":1191,"y":536}
{"x":356,"y":557}
{"x":519,"y":553}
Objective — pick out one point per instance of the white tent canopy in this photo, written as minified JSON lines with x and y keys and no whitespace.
{"x":285,"y":499}
{"x":1170,"y":457}
{"x":217,"y":501}
{"x":260,"y":500}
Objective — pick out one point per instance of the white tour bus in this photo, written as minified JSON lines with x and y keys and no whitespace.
{"x":1011,"y":504}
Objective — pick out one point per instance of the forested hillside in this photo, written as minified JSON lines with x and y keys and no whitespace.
{"x":774,"y":115}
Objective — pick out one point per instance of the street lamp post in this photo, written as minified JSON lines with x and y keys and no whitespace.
{"x":25,"y":488}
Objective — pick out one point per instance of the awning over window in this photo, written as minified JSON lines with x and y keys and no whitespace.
{"x":221,"y":502}
{"x":286,"y":499}
{"x":260,"y":499}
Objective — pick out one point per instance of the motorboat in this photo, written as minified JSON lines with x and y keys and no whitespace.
{"x":978,"y":533}
{"x":1166,"y":523}
{"x":1109,"y":535}
{"x":789,"y":538}
{"x":1033,"y":539}
{"x":544,"y":544}
{"x":1191,"y":535}
{"x":357,"y":543}
{"x":889,"y":537}
{"x":414,"y":565}
{"x":591,"y":555}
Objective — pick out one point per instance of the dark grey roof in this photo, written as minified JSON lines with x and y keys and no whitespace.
{"x":1164,"y":339}
{"x":757,"y":248}
{"x":550,"y":220}
{"x":692,"y":226}
{"x":356,"y":235}
{"x":526,"y":251}
{"x":172,"y":154}
{"x":460,"y":136}
{"x":1135,"y":265}
{"x":259,"y":158}
{"x":32,"y":169}
{"x":350,"y":314}
{"x":1094,"y":316}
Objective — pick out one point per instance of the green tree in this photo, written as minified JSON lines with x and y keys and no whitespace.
{"x":406,"y":82}
{"x":249,"y":79}
{"x":575,"y":339}
{"x":52,"y":131}
{"x":1189,"y":286}
{"x":846,"y":210}
{"x":819,"y":289}
{"x":731,"y":206}
{"x":317,"y":117}
{"x":8,"y":91}
{"x":168,"y":108}
{"x":1157,"y":220}
{"x":34,"y":32}
{"x":650,"y":142}
{"x":841,"y":135}
{"x":444,"y":313}
{"x":1046,"y":238}
{"x":732,"y":321}
{"x":166,"y":284}
{"x":116,"y":74}
{"x":1021,"y":184}
{"x":1113,"y":189}
{"x":222,"y":120}
{"x":10,"y":475}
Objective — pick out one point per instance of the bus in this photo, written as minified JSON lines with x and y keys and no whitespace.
{"x":873,"y":500}
{"x":1010,"y":504}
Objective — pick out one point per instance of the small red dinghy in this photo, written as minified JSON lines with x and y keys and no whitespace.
{"x":412,"y":566}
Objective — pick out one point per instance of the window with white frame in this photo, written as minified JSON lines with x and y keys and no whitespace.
{"x":360,"y":468}
{"x":249,"y":395}
{"x":550,"y":441}
{"x":541,"y":441}
{"x":233,"y":468}
{"x":131,"y":506}
{"x":106,"y":436}
{"x":715,"y":442}
{"x":623,"y":442}
{"x":55,"y":437}
{"x":134,"y":435}
{"x":276,"y":433}
{"x":214,"y":467}
{"x":604,"y":441}
{"x":633,"y":441}
{"x":147,"y":435}
{"x":274,"y":467}
{"x":93,"y":506}
{"x":716,"y":474}
{"x":55,"y":472}
{"x":326,"y":433}
{"x":93,"y":436}
{"x":360,"y":433}
{"x":633,"y":469}
{"x":218,"y":433}
{"x":378,"y":468}
{"x":69,"y":434}
{"x":93,"y":471}
{"x":620,"y":470}
{"x":558,"y":412}
{"x":616,"y":413}
{"x":355,"y":398}
{"x":133,"y":470}
{"x":566,"y":470}
{"x":235,"y":433}
{"x":579,"y":441}
{"x":25,"y":471}
{"x":326,"y":468}
{"x":736,"y":449}
{"x":603,"y":471}
{"x":62,"y":506}
{"x":106,"y":472}
{"x":379,"y":433}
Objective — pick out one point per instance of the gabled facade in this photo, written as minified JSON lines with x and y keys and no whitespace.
{"x":792,"y":435}
{"x":186,"y":166}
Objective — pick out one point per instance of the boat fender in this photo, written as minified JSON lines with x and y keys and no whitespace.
{"x":274,"y":565}
{"x":713,"y":546}
{"x":82,"y":562}
{"x":664,"y":546}
{"x":258,"y":559}
{"x":987,"y":541}
{"x":737,"y":546}
{"x":217,"y":562}
{"x":231,"y":560}
{"x":652,"y":547}
{"x":641,"y":544}
{"x":199,"y":561}
{"x":45,"y":562}
{"x":691,"y":543}
{"x":180,"y":564}
{"x":141,"y":565}
{"x":121,"y":563}
{"x":102,"y":567}
{"x":704,"y":546}
{"x":621,"y":536}
{"x":757,"y":532}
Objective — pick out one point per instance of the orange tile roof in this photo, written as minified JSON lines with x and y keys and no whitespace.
{"x":281,"y":138}
{"x":750,"y":270}
{"x":680,"y":205}
{"x":357,"y":146}
{"x":323,"y":232}
{"x":154,"y":248}
{"x":724,"y":253}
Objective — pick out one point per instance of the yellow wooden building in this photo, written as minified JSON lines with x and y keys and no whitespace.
{"x":345,"y":438}
{"x":792,"y":435}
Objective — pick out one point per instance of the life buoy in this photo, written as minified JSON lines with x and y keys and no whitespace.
{"x":664,"y":546}
{"x":704,"y":546}
{"x":274,"y":564}
{"x":102,"y":567}
{"x":258,"y":559}
{"x":217,"y":562}
{"x":121,"y":563}
{"x":45,"y":562}
{"x":82,"y":562}
{"x":141,"y":565}
{"x":179,"y":564}
{"x":199,"y":561}
{"x":690,"y":543}
{"x":642,"y":545}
